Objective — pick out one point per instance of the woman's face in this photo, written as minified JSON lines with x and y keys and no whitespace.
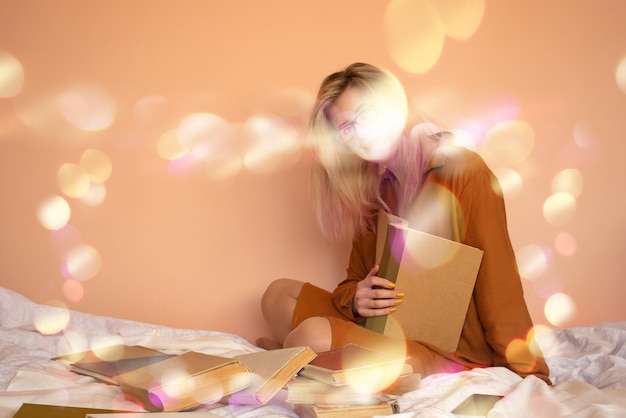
{"x":367,"y":125}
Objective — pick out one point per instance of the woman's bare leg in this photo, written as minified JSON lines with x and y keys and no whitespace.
{"x":277,"y":305}
{"x":314,"y":332}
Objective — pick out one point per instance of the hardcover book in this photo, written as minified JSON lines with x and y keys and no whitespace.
{"x":358,"y":366}
{"x":163,"y":382}
{"x":343,"y":411}
{"x":270,"y":371}
{"x":191,"y":378}
{"x":437,"y":276}
{"x":303,"y":390}
{"x":184,"y":381}
{"x":33,"y":410}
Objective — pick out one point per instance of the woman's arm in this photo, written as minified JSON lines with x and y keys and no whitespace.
{"x":363,"y":293}
{"x":498,"y":293}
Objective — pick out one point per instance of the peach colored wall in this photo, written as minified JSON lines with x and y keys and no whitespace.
{"x":192,"y":242}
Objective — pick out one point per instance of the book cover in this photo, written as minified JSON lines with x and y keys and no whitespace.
{"x":108,"y":362}
{"x":358,"y":366}
{"x":437,"y":276}
{"x":269,"y":373}
{"x":109,"y":353}
{"x":160,"y":381}
{"x":31,"y":410}
{"x":185,"y":381}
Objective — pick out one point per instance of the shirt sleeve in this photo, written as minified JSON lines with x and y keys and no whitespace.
{"x":362,"y":260}
{"x":498,"y":293}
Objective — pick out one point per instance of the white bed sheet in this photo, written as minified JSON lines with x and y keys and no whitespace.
{"x":587,"y":367}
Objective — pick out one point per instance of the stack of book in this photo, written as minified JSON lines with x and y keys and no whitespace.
{"x":353,"y":381}
{"x":170,"y":382}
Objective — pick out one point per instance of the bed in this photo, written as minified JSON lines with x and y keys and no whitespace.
{"x":587,"y":366}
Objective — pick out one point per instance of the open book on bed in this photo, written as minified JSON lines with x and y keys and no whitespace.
{"x":175,"y":382}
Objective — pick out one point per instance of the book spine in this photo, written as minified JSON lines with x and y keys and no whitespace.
{"x":388,"y":269}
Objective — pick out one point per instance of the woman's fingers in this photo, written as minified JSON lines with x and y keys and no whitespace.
{"x":376,"y":296}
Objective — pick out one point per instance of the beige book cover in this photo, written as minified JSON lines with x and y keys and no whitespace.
{"x":106,"y":363}
{"x":270,"y":371}
{"x":437,"y":276}
{"x":185,"y":381}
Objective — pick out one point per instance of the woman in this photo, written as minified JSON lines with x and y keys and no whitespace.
{"x":369,"y":157}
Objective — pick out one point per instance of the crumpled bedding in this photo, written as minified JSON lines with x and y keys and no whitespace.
{"x":587,"y":367}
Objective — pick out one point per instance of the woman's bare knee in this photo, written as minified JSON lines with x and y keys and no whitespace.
{"x":278,"y":303}
{"x":314,"y":332}
{"x":279,"y":289}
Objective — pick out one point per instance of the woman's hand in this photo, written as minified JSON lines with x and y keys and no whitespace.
{"x":376,"y":296}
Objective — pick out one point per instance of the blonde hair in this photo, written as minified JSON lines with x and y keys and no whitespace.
{"x":345,"y":188}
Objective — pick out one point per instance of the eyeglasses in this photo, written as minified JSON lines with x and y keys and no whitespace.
{"x":349,"y":130}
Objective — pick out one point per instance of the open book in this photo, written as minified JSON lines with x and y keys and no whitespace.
{"x":437,"y":276}
{"x":270,"y":371}
{"x":174,"y":382}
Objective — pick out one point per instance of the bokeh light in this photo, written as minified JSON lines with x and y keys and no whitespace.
{"x":569,"y":181}
{"x":108,"y":348}
{"x":415,"y":30}
{"x":205,"y":135}
{"x":541,"y":340}
{"x":205,"y":141}
{"x":73,"y":290}
{"x":565,"y":244}
{"x":559,"y":208}
{"x":73,"y":180}
{"x":95,"y":194}
{"x":520,"y":356}
{"x":225,"y":168}
{"x":175,"y":383}
{"x":150,"y":110}
{"x":53,"y":213}
{"x":582,"y":136}
{"x":373,"y":379}
{"x":509,"y":143}
{"x":96,"y":164}
{"x":463,"y":138}
{"x":73,"y":344}
{"x":65,"y":238}
{"x":87,"y":107}
{"x":169,"y":147}
{"x":550,"y":283}
{"x":52,"y":317}
{"x":37,"y":112}
{"x":11,"y":75}
{"x":274,"y":144}
{"x":510,"y":181}
{"x":293,"y":104}
{"x":83,"y":262}
{"x":620,"y":75}
{"x":532,"y":261}
{"x":460,"y":18}
{"x":544,"y":341}
{"x":559,"y":309}
{"x":414,"y":34}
